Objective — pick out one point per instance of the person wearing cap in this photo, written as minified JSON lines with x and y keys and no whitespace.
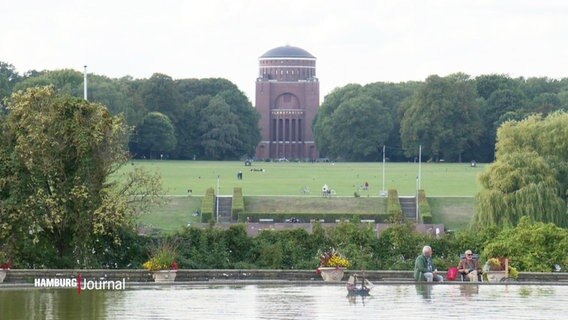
{"x":469,"y":267}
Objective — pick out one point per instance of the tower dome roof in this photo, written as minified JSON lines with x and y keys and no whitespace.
{"x":287,"y":52}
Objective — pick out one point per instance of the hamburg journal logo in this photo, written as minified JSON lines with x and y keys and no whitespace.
{"x":80,"y":283}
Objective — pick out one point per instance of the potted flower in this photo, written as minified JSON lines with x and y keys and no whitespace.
{"x":332,"y":265}
{"x":498,"y":269}
{"x":162,"y":263}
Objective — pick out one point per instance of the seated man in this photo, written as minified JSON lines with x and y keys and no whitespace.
{"x":424,"y":269}
{"x":469,"y":267}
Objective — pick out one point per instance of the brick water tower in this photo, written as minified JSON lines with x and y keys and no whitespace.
{"x":287,"y":99}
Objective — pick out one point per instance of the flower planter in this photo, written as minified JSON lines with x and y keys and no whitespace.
{"x":2,"y":275}
{"x":164,"y":276}
{"x":495,"y":276}
{"x":331,"y":273}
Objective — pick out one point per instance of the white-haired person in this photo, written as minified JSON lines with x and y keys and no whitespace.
{"x":424,"y":269}
{"x":469,"y":267}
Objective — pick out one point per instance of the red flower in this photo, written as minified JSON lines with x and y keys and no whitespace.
{"x":173,"y":266}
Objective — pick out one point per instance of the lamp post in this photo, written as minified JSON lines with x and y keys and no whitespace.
{"x":85,"y":83}
{"x":416,"y":198}
{"x":217,"y":198}
{"x":383,"y":193}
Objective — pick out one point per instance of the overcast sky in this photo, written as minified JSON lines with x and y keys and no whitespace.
{"x":353,"y":41}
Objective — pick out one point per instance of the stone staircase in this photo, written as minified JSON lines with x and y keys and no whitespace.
{"x":225,"y":204}
{"x":408,"y":205}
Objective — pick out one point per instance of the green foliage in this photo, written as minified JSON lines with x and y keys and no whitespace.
{"x":529,"y":177}
{"x":58,"y":155}
{"x":219,"y":130}
{"x":530,"y":246}
{"x":238,"y":204}
{"x":154,"y":137}
{"x":208,"y":205}
{"x":443,"y":118}
{"x":398,"y":246}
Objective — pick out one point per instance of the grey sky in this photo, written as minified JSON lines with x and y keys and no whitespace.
{"x":354,"y":41}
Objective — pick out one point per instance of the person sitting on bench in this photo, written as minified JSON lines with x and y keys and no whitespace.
{"x":469,"y":267}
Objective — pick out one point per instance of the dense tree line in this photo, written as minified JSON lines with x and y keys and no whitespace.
{"x":211,"y":118}
{"x":454,"y":118}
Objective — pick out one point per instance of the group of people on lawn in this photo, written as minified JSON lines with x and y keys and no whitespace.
{"x":424,"y":269}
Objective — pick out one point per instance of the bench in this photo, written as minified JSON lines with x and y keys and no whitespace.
{"x":265,"y":220}
{"x":368,"y":220}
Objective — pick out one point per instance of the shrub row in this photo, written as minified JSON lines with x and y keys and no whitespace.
{"x":309,"y":217}
{"x":393,"y":204}
{"x":208,"y":205}
{"x":238,"y":205}
{"x":424,"y":207}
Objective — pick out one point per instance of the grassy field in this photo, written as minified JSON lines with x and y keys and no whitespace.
{"x":450,"y":188}
{"x":289,"y":179}
{"x":454,"y":212}
{"x":175,"y":214}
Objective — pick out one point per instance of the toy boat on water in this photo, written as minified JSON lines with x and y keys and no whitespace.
{"x":358,"y":286}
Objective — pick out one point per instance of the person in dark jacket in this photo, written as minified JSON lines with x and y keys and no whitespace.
{"x":424,"y":269}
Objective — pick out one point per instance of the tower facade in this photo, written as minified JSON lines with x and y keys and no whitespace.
{"x":287,"y":98}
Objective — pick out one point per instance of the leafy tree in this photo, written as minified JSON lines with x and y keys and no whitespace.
{"x":65,"y":81}
{"x":155,"y":136}
{"x":487,"y":84}
{"x":159,"y":93}
{"x":8,"y":79}
{"x":393,"y":96}
{"x":529,"y":176}
{"x":502,"y":105}
{"x":359,"y":128}
{"x":58,"y":155}
{"x":443,"y":118}
{"x":352,"y":125}
{"x":219,"y":131}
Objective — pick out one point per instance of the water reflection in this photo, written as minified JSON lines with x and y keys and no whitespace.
{"x":357,"y":299}
{"x":314,"y":301}
{"x":52,"y":304}
{"x":468,"y":290}
{"x":425,"y":291}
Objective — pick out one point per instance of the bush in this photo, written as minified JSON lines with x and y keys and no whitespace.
{"x":308,"y":217}
{"x":238,"y":205}
{"x":208,"y":205}
{"x":393,"y":204}
{"x":424,"y":208}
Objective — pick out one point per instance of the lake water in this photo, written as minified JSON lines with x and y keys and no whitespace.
{"x":405,"y":301}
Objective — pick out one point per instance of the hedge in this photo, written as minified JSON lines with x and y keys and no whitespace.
{"x":424,"y":207}
{"x":238,"y":204}
{"x":393,"y":204}
{"x":308,"y":217}
{"x":208,"y":205}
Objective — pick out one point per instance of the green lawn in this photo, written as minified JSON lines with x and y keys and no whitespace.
{"x":175,"y":214}
{"x":438,"y":179}
{"x":450,"y":188}
{"x":454,"y":212}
